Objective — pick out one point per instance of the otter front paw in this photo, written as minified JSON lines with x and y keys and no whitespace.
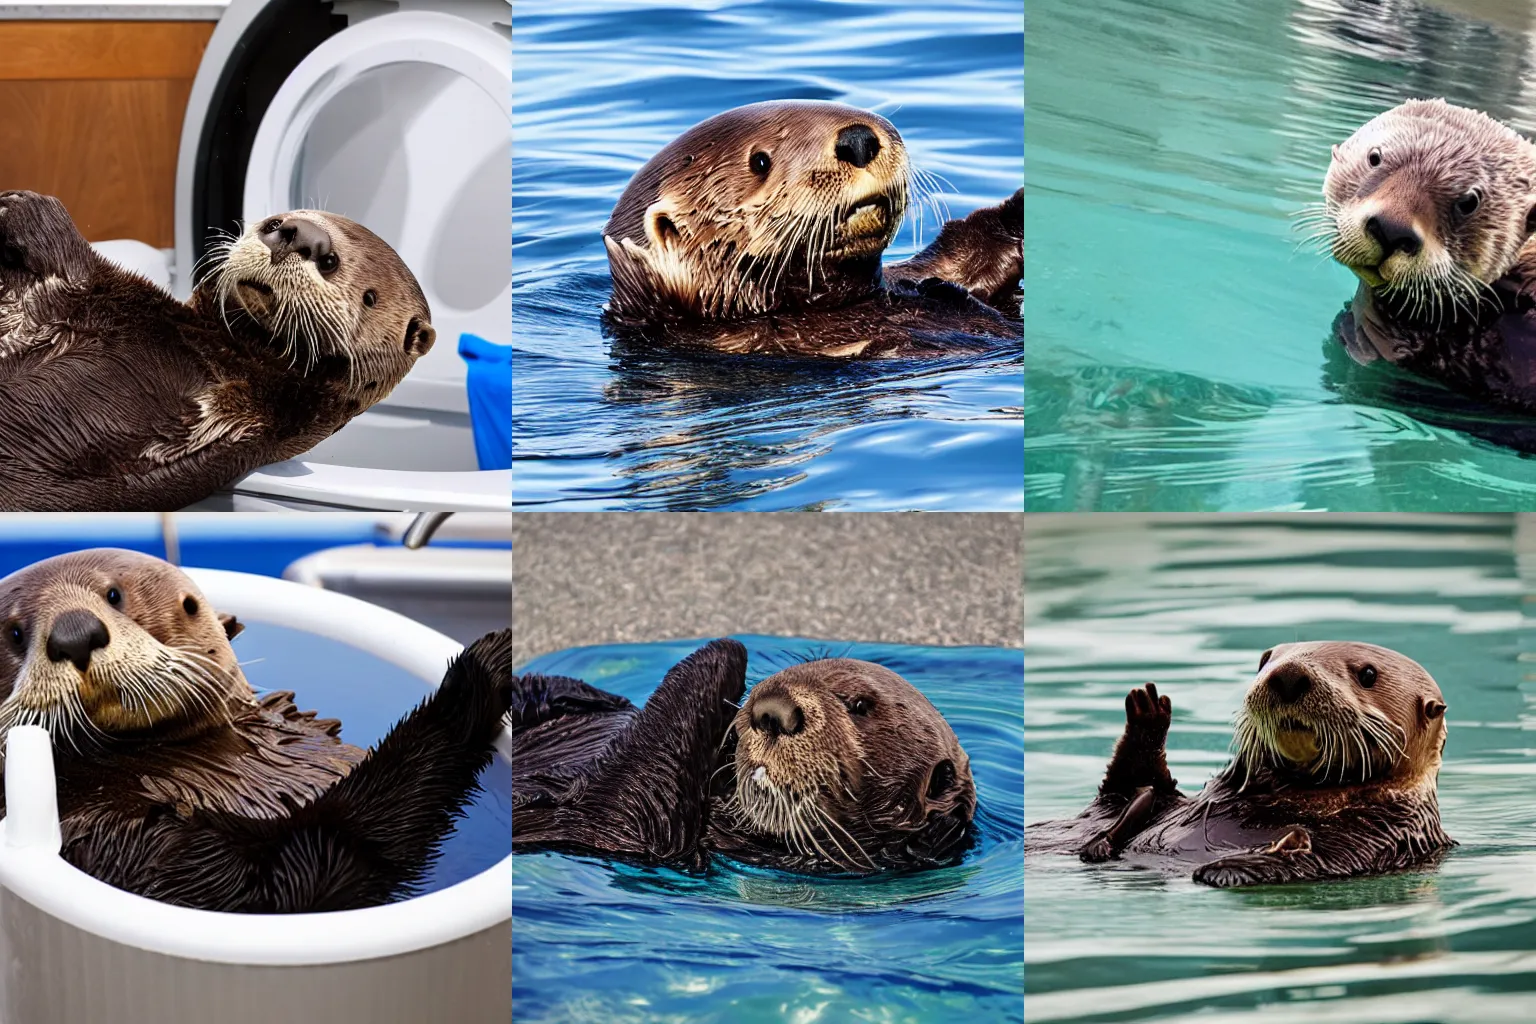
{"x":1147,"y":713}
{"x":38,"y":238}
{"x":1097,"y":851}
{"x":1277,"y":862}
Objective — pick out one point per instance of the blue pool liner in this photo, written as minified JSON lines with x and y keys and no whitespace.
{"x":490,"y":399}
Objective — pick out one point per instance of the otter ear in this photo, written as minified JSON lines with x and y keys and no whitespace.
{"x":232,"y":626}
{"x":1433,"y":709}
{"x":1530,"y":220}
{"x":419,"y":336}
{"x":1335,"y":151}
{"x":660,"y":229}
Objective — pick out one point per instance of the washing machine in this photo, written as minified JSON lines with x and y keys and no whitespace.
{"x":396,"y":113}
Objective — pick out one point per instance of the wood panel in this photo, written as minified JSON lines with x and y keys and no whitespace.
{"x":50,"y":50}
{"x":93,"y":114}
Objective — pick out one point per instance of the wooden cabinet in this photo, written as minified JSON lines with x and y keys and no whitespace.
{"x":90,"y":111}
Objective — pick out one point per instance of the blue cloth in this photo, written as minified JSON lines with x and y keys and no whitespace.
{"x":490,"y":399}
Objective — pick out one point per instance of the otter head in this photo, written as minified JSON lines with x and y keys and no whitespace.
{"x":107,"y":644}
{"x":1345,"y":712}
{"x":325,"y":288}
{"x":1429,"y":204}
{"x":768,"y":206}
{"x":849,"y":765}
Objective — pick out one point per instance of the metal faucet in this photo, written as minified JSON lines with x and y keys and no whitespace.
{"x":423,"y":527}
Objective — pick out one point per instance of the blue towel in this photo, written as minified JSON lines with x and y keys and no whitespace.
{"x":490,"y":399}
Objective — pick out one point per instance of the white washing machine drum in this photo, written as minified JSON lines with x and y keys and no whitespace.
{"x":400,"y":121}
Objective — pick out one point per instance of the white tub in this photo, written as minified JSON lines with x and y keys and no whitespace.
{"x":74,"y":950}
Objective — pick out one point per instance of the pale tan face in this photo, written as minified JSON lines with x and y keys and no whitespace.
{"x":754,"y":203}
{"x":1343,"y":712}
{"x":324,"y":285}
{"x":109,"y":642}
{"x":1429,"y":202}
{"x":851,"y":742}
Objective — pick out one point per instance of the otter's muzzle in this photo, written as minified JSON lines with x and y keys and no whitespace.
{"x":74,"y":636}
{"x":777,"y":716}
{"x":297,"y":235}
{"x":1289,"y":683}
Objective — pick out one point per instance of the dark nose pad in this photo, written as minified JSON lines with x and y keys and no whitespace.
{"x":300,"y":235}
{"x":74,"y":636}
{"x":1288,"y":683}
{"x":777,"y":716}
{"x":1394,"y":236}
{"x":857,"y":145}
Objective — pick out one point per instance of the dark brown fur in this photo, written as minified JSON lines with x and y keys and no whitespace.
{"x":868,"y":769}
{"x":1459,"y":307}
{"x":1276,"y":814}
{"x":705,"y":252}
{"x":229,"y":804}
{"x":114,"y":396}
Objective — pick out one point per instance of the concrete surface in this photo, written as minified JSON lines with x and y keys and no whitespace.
{"x":583,"y":578}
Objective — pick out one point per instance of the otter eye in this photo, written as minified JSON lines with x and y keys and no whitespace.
{"x":1264,"y":658}
{"x":328,"y":263}
{"x":1467,"y":205}
{"x":941,"y":779}
{"x":1367,"y":677}
{"x":1374,"y":158}
{"x":17,"y":634}
{"x":860,"y":706}
{"x":189,"y":605}
{"x":760,"y":164}
{"x":370,"y":297}
{"x":114,"y":596}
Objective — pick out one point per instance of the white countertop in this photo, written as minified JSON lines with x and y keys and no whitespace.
{"x":116,"y":10}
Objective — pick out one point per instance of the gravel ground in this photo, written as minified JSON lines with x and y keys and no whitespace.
{"x":583,"y":578}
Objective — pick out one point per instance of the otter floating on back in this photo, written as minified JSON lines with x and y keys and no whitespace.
{"x":760,"y":230}
{"x":177,"y":783}
{"x":114,"y":396}
{"x":832,"y":766}
{"x":1433,"y":207}
{"x":1339,"y":748}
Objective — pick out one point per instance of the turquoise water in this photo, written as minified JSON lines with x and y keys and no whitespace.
{"x":370,"y":695}
{"x":1178,"y":341}
{"x":1191,"y":604}
{"x":594,"y":941}
{"x":599,"y":87}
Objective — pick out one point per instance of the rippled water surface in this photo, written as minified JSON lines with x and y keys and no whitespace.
{"x":370,"y":695}
{"x":1191,"y":605}
{"x":594,"y":941}
{"x":599,"y":87}
{"x":1179,"y":354}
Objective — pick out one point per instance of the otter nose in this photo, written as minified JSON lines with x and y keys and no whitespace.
{"x":1288,"y":683}
{"x":74,"y":636}
{"x":777,"y":716}
{"x":857,"y":144}
{"x":1394,"y":235}
{"x":297,"y":234}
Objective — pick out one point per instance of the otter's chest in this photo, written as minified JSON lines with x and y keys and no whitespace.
{"x":1202,"y":828}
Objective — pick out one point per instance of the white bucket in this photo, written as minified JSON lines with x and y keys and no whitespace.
{"x":74,"y":950}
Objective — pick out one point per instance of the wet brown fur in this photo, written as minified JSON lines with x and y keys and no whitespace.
{"x":216,"y":798}
{"x":871,"y":779}
{"x":707,"y":253}
{"x":1460,"y":311}
{"x":1350,"y":792}
{"x":115,"y":396}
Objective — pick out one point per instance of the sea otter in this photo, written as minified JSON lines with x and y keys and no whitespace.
{"x":177,"y":783}
{"x":114,"y":396}
{"x":1338,"y":752}
{"x":1433,"y":207}
{"x":760,"y":230}
{"x":833,"y":766}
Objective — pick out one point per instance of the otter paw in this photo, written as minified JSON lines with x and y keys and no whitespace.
{"x":1241,"y":869}
{"x":1144,"y":709}
{"x":1097,"y":851}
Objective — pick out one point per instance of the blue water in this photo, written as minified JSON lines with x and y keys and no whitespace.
{"x":1179,"y":343}
{"x":370,"y":695}
{"x":594,"y":941}
{"x":1191,"y":603}
{"x":599,"y":87}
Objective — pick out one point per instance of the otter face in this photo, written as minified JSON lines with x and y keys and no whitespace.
{"x":325,"y":286}
{"x":106,"y":642}
{"x":849,"y":765}
{"x":1344,"y":711}
{"x":1429,"y":203}
{"x":772,"y":203}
